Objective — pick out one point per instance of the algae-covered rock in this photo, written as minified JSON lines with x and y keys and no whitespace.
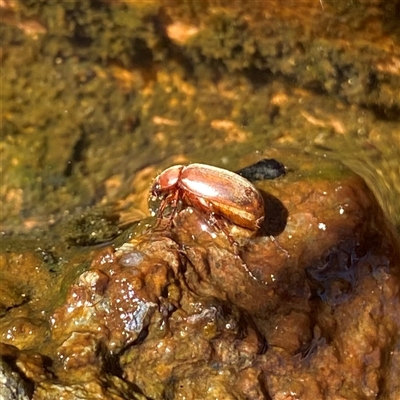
{"x":182,"y":308}
{"x":93,"y":93}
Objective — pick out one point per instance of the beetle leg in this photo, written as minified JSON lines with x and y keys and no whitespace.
{"x":246,"y":268}
{"x":174,"y":205}
{"x":279,"y":246}
{"x":214,"y":219}
{"x":170,"y":200}
{"x":219,"y":223}
{"x":164,"y":203}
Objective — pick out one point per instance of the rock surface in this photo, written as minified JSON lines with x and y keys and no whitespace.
{"x":307,"y":307}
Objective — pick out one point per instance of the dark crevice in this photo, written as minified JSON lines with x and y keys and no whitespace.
{"x":174,"y":51}
{"x":385,"y":113}
{"x":258,"y":77}
{"x":77,"y":155}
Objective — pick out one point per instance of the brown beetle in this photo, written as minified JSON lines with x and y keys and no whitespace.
{"x":214,"y":191}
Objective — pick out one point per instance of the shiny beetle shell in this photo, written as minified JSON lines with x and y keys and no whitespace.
{"x":214,"y":191}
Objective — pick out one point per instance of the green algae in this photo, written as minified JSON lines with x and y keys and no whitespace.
{"x":69,"y":125}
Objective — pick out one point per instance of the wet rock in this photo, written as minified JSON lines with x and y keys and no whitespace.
{"x":323,"y":290}
{"x":180,"y":310}
{"x":102,"y":387}
{"x":14,"y":382}
{"x":24,"y":295}
{"x":112,"y":302}
{"x":12,"y":385}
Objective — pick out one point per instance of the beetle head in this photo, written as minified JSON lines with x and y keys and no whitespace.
{"x":167,"y":181}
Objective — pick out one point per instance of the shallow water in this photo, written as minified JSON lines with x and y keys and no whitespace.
{"x":83,"y":116}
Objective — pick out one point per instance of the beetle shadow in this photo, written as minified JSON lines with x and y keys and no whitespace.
{"x":276,"y":215}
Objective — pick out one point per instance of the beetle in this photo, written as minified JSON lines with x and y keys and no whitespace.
{"x":218,"y":193}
